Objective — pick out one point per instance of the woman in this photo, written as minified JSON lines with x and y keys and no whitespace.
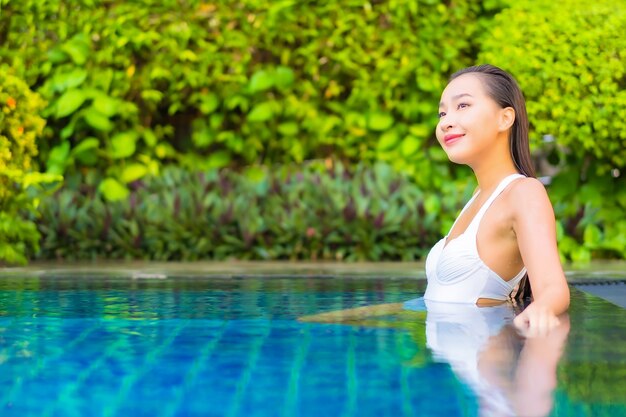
{"x":506,"y":233}
{"x":504,"y":240}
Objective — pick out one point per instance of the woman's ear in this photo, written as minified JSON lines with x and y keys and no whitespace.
{"x":507,"y":118}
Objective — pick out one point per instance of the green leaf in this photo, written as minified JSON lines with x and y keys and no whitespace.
{"x":77,"y":48}
{"x":106,"y":105}
{"x":164,"y":150}
{"x":113,"y":190}
{"x":133,"y":172}
{"x":235,"y":101}
{"x":216,"y":120}
{"x":432,"y":204}
{"x":284,"y":77}
{"x":592,"y":235}
{"x":149,"y":137}
{"x":123,"y":145}
{"x":202,"y":136}
{"x":154,"y":96}
{"x":68,"y":130}
{"x":255,"y":173}
{"x":66,"y":80}
{"x":581,"y":254}
{"x":88,"y":158}
{"x":56,"y":56}
{"x":621,"y":197}
{"x":388,"y":140}
{"x":97,"y":120}
{"x":288,"y":128}
{"x":261,"y":112}
{"x":219,"y":159}
{"x":69,"y":102}
{"x":58,"y":158}
{"x":261,"y":80}
{"x":188,"y":55}
{"x":409,"y":146}
{"x":379,"y":121}
{"x":85,"y":145}
{"x":420,"y":131}
{"x":436,"y":153}
{"x":209,"y":103}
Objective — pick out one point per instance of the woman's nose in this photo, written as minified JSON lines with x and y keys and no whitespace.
{"x":446,"y":123}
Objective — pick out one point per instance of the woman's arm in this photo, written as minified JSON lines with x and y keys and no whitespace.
{"x":529,"y":377}
{"x":535,"y":229}
{"x":536,"y":374}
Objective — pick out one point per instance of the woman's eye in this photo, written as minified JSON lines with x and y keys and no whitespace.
{"x":462,"y":105}
{"x":441,"y":114}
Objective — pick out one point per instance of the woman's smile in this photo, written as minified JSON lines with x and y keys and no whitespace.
{"x":451,"y":138}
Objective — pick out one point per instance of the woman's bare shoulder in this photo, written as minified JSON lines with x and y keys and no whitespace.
{"x":528,"y":186}
{"x":528,"y":195}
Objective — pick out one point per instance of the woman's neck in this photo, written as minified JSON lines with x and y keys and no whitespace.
{"x":489,"y":175}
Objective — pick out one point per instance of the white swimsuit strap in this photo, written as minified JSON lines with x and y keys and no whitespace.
{"x":469,"y":203}
{"x":503,"y":184}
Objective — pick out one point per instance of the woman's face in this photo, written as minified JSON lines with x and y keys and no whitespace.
{"x":469,"y":120}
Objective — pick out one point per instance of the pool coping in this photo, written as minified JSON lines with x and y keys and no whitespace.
{"x":605,"y":279}
{"x":593,"y":272}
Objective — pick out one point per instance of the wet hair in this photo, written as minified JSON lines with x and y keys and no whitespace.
{"x":504,"y":90}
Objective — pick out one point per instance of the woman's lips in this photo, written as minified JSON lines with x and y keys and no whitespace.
{"x":449,"y":139}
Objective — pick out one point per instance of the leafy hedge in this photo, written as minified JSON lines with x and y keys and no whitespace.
{"x":570,"y":59}
{"x":134,"y":84}
{"x":19,"y":127}
{"x":319,"y":212}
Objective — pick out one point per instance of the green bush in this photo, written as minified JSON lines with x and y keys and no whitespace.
{"x":318,"y":212}
{"x":590,"y":211}
{"x":570,"y":60}
{"x":19,"y":127}
{"x":133,"y":84}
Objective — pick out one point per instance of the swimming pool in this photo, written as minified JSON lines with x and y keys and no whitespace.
{"x":87,"y":344}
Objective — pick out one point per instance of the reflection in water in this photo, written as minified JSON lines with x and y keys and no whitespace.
{"x":510,"y":375}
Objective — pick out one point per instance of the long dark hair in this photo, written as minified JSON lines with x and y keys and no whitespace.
{"x":504,"y":90}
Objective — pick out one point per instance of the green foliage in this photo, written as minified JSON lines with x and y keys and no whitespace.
{"x":319,"y":212}
{"x":134,"y":84}
{"x":590,"y":211}
{"x":570,"y":60}
{"x":19,"y":127}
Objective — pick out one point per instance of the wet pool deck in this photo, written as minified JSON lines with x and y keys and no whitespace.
{"x":232,"y":269}
{"x":590,"y":273}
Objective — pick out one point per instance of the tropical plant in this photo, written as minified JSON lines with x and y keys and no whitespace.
{"x":19,"y":127}
{"x":132,"y":85}
{"x":316,"y":212}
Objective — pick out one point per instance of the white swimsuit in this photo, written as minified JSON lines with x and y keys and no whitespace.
{"x":455,"y":272}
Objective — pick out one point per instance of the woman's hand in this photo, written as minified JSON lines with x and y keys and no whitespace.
{"x":536,"y":320}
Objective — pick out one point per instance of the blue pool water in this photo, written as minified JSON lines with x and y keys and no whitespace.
{"x":107,"y":346}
